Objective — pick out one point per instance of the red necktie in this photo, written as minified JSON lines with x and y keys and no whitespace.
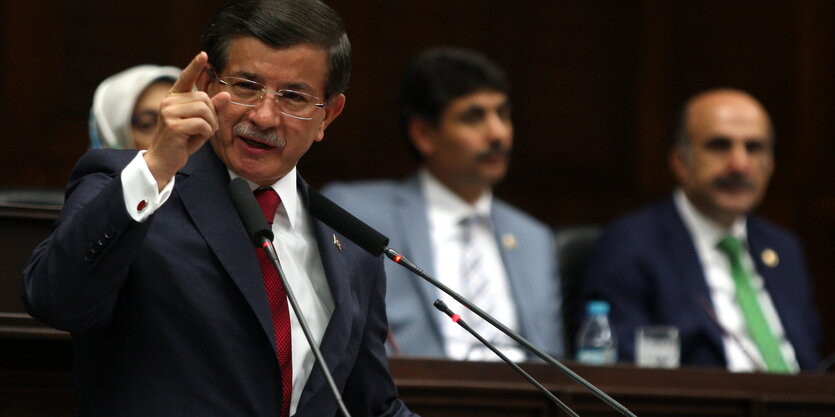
{"x":269,"y":201}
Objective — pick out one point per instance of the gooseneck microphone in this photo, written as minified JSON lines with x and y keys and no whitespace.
{"x":262,"y":236}
{"x":375,"y":243}
{"x":345,"y":223}
{"x":440,"y":305}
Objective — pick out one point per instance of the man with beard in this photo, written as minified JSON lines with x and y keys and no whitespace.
{"x":734,"y":285}
{"x":455,"y":113}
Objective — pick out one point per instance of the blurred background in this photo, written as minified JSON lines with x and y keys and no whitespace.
{"x":596,"y":90}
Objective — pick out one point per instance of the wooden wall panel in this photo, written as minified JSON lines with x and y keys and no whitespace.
{"x":597,"y":85}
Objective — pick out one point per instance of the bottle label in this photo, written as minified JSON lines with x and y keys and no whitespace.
{"x":597,"y":356}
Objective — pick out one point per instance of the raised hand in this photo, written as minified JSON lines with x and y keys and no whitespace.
{"x":187,"y":119}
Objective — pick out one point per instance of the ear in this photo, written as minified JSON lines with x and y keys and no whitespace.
{"x":332,"y":110}
{"x":679,"y":164}
{"x":422,"y":135}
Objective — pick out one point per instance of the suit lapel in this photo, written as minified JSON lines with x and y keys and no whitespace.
{"x":413,"y":221}
{"x":758,"y":242}
{"x":198,"y":185}
{"x":520,"y":280}
{"x":337,"y":267}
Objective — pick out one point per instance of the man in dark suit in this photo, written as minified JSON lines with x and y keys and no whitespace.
{"x":735,"y":285}
{"x":151,"y":270}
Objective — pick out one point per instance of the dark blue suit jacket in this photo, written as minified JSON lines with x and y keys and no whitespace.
{"x":169,"y":317}
{"x":646,"y":266}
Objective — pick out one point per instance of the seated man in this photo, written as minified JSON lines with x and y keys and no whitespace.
{"x":734,"y":284}
{"x":456,"y":116}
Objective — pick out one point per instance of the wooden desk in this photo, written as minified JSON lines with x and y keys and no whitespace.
{"x":443,"y":388}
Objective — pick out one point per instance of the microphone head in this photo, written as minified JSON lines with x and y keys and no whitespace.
{"x":346,"y":224}
{"x":249,"y":211}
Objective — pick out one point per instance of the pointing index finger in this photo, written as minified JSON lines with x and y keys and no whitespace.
{"x":188,"y":78}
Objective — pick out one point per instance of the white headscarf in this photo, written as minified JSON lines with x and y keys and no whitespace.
{"x":114,"y":101}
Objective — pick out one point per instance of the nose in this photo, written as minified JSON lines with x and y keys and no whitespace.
{"x":739,"y":161}
{"x":499,"y":128}
{"x":266,"y":113}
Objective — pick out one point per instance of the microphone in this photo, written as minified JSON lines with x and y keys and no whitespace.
{"x":440,"y":305}
{"x":250,"y":212}
{"x":262,"y":236}
{"x":345,"y":223}
{"x":376,"y":243}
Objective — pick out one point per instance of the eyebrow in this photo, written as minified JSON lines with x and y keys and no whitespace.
{"x":295,"y":85}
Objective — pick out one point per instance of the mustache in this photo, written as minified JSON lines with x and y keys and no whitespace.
{"x":495,"y":149}
{"x":269,"y":136}
{"x":734,"y":181}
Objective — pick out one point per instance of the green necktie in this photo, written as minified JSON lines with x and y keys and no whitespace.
{"x":762,"y":335}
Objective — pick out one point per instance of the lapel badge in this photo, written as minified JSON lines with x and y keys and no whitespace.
{"x":770,"y":258}
{"x":337,"y":243}
{"x":509,"y":241}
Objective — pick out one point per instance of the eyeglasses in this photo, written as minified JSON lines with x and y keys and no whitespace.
{"x":292,"y":103}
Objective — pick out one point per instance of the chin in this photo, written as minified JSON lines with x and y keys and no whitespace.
{"x":737,"y":207}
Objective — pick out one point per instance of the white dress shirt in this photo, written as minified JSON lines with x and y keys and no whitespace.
{"x":297,"y":251}
{"x":741,"y":352}
{"x":445,"y":213}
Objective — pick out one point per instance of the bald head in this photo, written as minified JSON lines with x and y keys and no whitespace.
{"x":723,"y":159}
{"x":709,"y":108}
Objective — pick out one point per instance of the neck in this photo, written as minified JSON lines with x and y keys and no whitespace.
{"x":724,"y":219}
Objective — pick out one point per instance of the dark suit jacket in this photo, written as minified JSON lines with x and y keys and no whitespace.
{"x":169,"y":317}
{"x":646,"y":266}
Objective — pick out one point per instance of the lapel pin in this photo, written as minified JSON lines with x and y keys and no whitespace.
{"x":509,"y":241}
{"x":770,"y":258}
{"x":337,"y":243}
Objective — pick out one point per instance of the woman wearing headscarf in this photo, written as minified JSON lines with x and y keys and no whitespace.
{"x":126,"y":106}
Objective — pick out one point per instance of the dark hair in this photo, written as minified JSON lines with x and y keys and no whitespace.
{"x":282,"y":24}
{"x":438,"y":76}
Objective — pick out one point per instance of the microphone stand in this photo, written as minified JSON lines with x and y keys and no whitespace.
{"x":268,"y":247}
{"x":406,"y":263}
{"x":375,"y":243}
{"x":440,"y":305}
{"x":256,"y":227}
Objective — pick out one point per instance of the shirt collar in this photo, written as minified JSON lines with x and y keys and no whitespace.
{"x":286,"y":189}
{"x":448,"y":206}
{"x":705,"y":231}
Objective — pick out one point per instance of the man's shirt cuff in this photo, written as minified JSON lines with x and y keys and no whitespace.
{"x":140,"y":189}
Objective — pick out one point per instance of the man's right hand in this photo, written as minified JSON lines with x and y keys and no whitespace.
{"x":187,"y":119}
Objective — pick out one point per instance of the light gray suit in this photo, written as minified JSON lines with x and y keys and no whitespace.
{"x":398,"y":210}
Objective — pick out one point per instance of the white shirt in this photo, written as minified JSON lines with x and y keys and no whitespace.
{"x":445,"y":212}
{"x":297,"y":251}
{"x":741,"y":352}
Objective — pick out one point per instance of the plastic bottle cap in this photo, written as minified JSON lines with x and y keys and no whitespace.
{"x":597,"y":307}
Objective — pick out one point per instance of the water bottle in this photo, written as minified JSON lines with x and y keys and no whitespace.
{"x":596,"y":344}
